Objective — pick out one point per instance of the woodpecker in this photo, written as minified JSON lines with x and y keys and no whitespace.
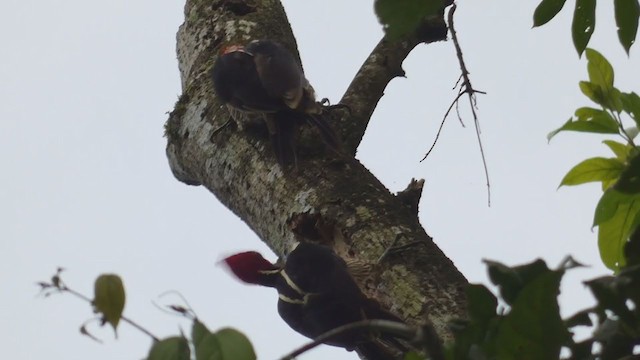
{"x":317,"y":294}
{"x":263,"y":77}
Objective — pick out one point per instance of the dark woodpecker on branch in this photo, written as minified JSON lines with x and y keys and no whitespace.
{"x":317,"y":294}
{"x":264,"y":78}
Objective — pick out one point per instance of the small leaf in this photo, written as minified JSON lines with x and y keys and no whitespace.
{"x":609,"y":292}
{"x":547,"y":10}
{"x":613,"y":100}
{"x":608,"y":184}
{"x":109,"y":298}
{"x":482,"y":303}
{"x":586,"y":113}
{"x":579,"y":319}
{"x":615,"y":230}
{"x":600,"y":126}
{"x":620,"y":150}
{"x":593,"y":92}
{"x":402,"y":17}
{"x":631,"y":105}
{"x":627,"y":13}
{"x":173,"y":348}
{"x":225,"y":344}
{"x":205,"y":343}
{"x":629,"y":181}
{"x":533,"y":329}
{"x":589,"y":120}
{"x":600,"y":87}
{"x":600,"y":70}
{"x":511,"y":280}
{"x":582,"y":349}
{"x":234,"y":345}
{"x":594,"y":169}
{"x":584,"y":22}
{"x":607,"y":206}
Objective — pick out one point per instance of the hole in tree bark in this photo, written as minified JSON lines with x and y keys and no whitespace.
{"x":239,"y":7}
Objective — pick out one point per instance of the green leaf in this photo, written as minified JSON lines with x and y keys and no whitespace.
{"x":614,"y":100}
{"x":402,"y":17}
{"x":589,"y":120}
{"x":533,"y":329}
{"x":109,"y":298}
{"x":579,"y":319}
{"x":631,"y":105}
{"x":482,"y":303}
{"x":225,"y":344}
{"x":511,"y":280}
{"x":547,"y":10}
{"x":600,"y":70}
{"x":205,"y":343}
{"x":477,"y":330}
{"x":608,"y":184}
{"x":627,"y":13}
{"x":586,"y":113}
{"x":594,"y":169}
{"x":609,"y":292}
{"x":615,"y":230}
{"x":629,"y":181}
{"x":620,"y":150}
{"x":235,"y":345}
{"x":582,"y":349}
{"x":173,"y":348}
{"x":607,"y":206}
{"x":593,"y":92}
{"x":584,"y":22}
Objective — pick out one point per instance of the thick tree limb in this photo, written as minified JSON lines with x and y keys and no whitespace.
{"x":361,"y":216}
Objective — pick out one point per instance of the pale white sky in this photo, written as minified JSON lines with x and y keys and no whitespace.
{"x":85,"y":87}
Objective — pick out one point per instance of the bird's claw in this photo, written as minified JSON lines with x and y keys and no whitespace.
{"x":326,"y":105}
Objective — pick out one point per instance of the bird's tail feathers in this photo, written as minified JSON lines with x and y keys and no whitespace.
{"x":329,"y":136}
{"x":373,"y":311}
{"x":282,"y":134}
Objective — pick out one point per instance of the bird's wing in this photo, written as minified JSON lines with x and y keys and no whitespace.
{"x":281,"y":76}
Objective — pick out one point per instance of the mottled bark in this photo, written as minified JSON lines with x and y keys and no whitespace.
{"x":326,"y":198}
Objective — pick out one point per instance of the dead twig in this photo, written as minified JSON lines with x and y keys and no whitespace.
{"x":464,"y":87}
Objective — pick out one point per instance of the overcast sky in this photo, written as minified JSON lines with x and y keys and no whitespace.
{"x":85,"y":87}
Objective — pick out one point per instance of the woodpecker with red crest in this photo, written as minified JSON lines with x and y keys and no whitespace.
{"x":317,"y":294}
{"x":265,"y":78}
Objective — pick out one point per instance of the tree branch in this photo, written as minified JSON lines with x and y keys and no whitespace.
{"x":381,"y":66}
{"x":239,"y":168}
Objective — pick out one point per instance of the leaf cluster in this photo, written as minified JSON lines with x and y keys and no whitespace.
{"x":627,"y":13}
{"x":617,"y":214}
{"x":224,"y":344}
{"x":528,"y":324}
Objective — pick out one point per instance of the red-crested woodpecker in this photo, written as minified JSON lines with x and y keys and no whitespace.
{"x":263,"y":77}
{"x":317,"y":294}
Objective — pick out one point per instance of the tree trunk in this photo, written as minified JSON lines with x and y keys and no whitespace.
{"x":332,"y":200}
